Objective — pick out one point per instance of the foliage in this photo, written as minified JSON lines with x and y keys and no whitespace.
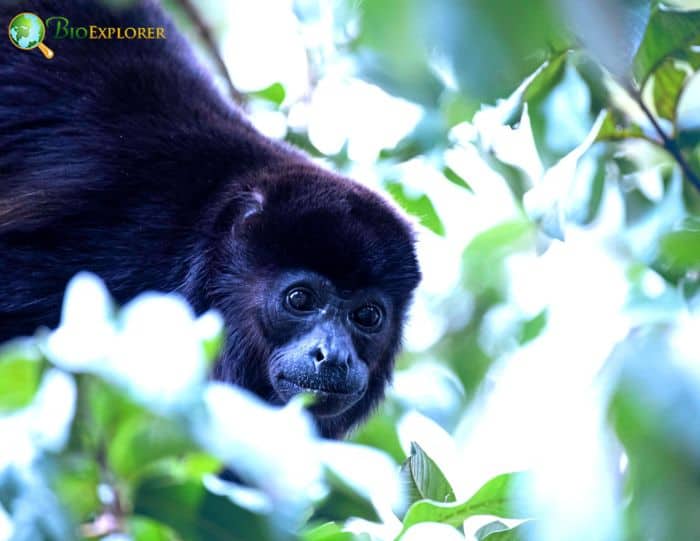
{"x":552,"y":160}
{"x":107,"y":447}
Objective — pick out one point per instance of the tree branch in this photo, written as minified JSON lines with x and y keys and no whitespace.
{"x":669,"y":144}
{"x":207,"y":37}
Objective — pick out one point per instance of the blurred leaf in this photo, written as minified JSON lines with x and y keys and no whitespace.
{"x":666,"y":32}
{"x":559,"y":109}
{"x":532,"y":328}
{"x":610,"y":30}
{"x":512,"y":38}
{"x":343,"y":501}
{"x":330,"y":531}
{"x":419,"y":206}
{"x":456,"y":107}
{"x":678,"y":252}
{"x":75,"y":482}
{"x":196,"y":465}
{"x":145,"y":529}
{"x":596,"y":161}
{"x":454,"y":178}
{"x":274,"y":93}
{"x":424,"y":479}
{"x":380,"y":432}
{"x":551,"y":221}
{"x":547,"y":77}
{"x":33,"y":504}
{"x":144,"y":439}
{"x":517,"y":180}
{"x":457,"y":38}
{"x":497,"y":497}
{"x":212,"y":348}
{"x":20,"y":374}
{"x":101,"y":411}
{"x":484,"y":256}
{"x":429,"y":133}
{"x":615,"y":127}
{"x":465,"y":344}
{"x":654,"y":401}
{"x":393,"y":55}
{"x":196,"y":514}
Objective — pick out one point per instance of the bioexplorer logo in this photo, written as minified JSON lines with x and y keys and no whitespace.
{"x":27,"y":31}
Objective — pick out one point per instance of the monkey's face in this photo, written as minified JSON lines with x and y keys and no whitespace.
{"x":326,"y":340}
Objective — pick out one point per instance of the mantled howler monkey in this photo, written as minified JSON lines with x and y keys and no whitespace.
{"x":118,"y":156}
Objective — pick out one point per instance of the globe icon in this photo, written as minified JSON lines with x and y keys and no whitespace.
{"x":27,"y":31}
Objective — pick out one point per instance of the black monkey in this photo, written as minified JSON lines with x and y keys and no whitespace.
{"x":121,"y":158}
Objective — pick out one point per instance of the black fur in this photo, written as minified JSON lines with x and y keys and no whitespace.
{"x":121,"y":158}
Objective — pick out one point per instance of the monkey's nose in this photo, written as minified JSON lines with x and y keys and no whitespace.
{"x":331,"y":361}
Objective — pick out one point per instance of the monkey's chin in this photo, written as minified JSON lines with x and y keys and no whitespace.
{"x":326,"y":403}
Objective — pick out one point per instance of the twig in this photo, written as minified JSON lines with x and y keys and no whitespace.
{"x":668,"y":143}
{"x":206,"y":34}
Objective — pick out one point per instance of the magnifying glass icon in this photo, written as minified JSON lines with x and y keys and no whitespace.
{"x":27,"y":32}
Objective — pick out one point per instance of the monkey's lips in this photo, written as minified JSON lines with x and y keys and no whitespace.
{"x":328,"y":400}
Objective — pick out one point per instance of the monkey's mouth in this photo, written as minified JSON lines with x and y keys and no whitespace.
{"x":327,"y":400}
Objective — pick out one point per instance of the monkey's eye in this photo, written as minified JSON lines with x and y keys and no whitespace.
{"x":368,"y":316}
{"x":300,"y":299}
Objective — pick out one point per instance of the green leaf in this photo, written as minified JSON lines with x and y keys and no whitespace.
{"x":331,"y":531}
{"x":343,"y":501}
{"x":212,"y":347}
{"x":199,"y":464}
{"x":429,"y":133}
{"x":497,"y":497}
{"x":668,"y":83}
{"x":102,"y":409}
{"x":454,"y":178}
{"x":678,"y":251}
{"x":146,"y":529}
{"x":274,"y":93}
{"x":615,"y":127}
{"x":390,"y":55}
{"x":484,"y":256}
{"x":546,"y":77}
{"x":424,"y":478}
{"x":595,"y":161}
{"x":667,"y":31}
{"x":419,"y":206}
{"x":144,"y":439}
{"x":456,"y":107}
{"x":20,"y":374}
{"x":198,"y":515}
{"x":522,"y":532}
{"x":653,"y":403}
{"x":75,"y":482}
{"x":487,"y":529}
{"x":528,"y":33}
{"x":532,"y":328}
{"x":380,"y":432}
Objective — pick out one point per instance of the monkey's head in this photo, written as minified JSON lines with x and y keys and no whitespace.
{"x":313,"y":274}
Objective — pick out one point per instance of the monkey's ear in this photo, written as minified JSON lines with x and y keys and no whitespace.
{"x":241,"y":210}
{"x":252,"y":203}
{"x":249,"y":204}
